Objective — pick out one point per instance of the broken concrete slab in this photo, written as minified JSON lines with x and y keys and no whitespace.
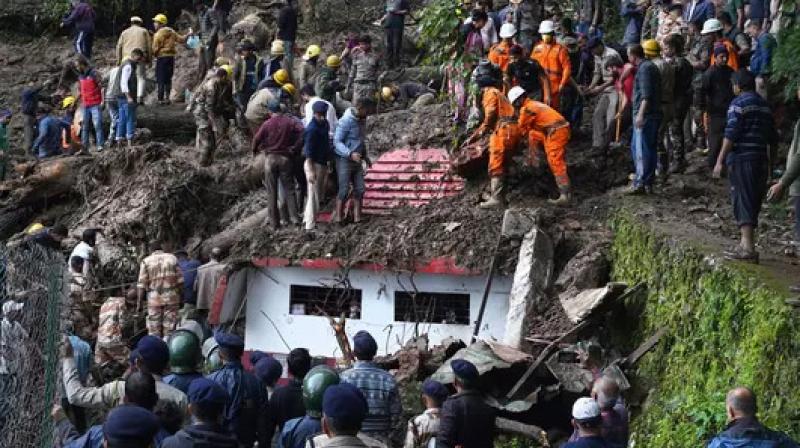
{"x":531,"y":279}
{"x":519,"y":221}
{"x":581,"y":306}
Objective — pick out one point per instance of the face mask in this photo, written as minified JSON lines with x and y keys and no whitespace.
{"x":547,"y":38}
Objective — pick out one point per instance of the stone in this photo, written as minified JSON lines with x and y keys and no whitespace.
{"x":589,"y":268}
{"x":532,"y":278}
{"x":253,"y":27}
{"x":582,"y":305}
{"x":517,"y":222}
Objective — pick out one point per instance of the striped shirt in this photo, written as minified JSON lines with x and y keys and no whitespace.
{"x":383,"y":398}
{"x":750,"y":127}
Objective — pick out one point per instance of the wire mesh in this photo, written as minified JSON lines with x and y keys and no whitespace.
{"x":32,"y":276}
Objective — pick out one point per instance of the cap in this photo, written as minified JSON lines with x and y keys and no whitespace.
{"x":711,"y":26}
{"x":319,"y":107}
{"x":516,"y":50}
{"x":435,"y":390}
{"x":136,"y":19}
{"x":273,"y":106}
{"x":268,"y":370}
{"x":229,"y":340}
{"x":129,"y":423}
{"x":153,"y":350}
{"x":345,"y":403}
{"x":464,"y":369}
{"x":277,"y":48}
{"x":585,"y":408}
{"x":720,"y":49}
{"x":364,"y":345}
{"x":515,"y":93}
{"x":203,"y":391}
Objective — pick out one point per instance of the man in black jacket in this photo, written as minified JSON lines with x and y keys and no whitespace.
{"x":467,"y":421}
{"x":287,"y":32}
{"x":286,"y":401}
{"x":206,"y":401}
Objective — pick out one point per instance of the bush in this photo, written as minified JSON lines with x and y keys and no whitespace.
{"x":725,"y":328}
{"x":438,"y":26}
{"x":786,"y":63}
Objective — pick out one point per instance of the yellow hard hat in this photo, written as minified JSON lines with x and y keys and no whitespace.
{"x":387,"y":95}
{"x":281,"y":76}
{"x":289,"y":88}
{"x":311,"y":52}
{"x":220,"y":61}
{"x":67,"y":102}
{"x":277,"y":48}
{"x":651,"y":47}
{"x":333,"y":61}
{"x":33,"y":228}
{"x":160,"y":18}
{"x":228,"y":69}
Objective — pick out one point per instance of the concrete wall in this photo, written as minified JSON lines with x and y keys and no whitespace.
{"x":377,"y":314}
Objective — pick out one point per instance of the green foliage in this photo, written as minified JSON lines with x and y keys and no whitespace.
{"x":503,"y":441}
{"x":438,"y":24}
{"x":786,"y":63}
{"x":54,"y":10}
{"x":724,"y":329}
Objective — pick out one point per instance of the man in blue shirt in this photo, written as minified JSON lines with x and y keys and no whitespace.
{"x":744,"y":429}
{"x":633,"y":13}
{"x":764,"y":45}
{"x":246,"y":396}
{"x":588,"y":423}
{"x":699,"y":11}
{"x":350,"y":147}
{"x":48,"y":142}
{"x":646,"y":115}
{"x":749,"y":131}
{"x":189,"y":267}
{"x":378,"y":386}
{"x":317,"y":152}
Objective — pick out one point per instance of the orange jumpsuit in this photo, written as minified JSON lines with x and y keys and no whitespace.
{"x":554,"y":59}
{"x":733,"y":57}
{"x":500,"y":120}
{"x":544,"y":125}
{"x":499,"y":54}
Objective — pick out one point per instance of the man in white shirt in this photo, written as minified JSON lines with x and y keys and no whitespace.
{"x":126,"y":98}
{"x":309,"y":98}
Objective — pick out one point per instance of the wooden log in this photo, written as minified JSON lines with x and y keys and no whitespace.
{"x":228,"y":237}
{"x":167,"y":123}
{"x":521,"y":429}
{"x":44,"y":180}
{"x":646,"y":346}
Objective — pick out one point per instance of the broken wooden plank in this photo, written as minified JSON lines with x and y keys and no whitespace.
{"x":582,"y":305}
{"x":522,"y":429}
{"x":645,"y":347}
{"x":544,"y":355}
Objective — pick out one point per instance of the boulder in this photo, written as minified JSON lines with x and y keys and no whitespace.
{"x":589,"y":268}
{"x":254,"y":27}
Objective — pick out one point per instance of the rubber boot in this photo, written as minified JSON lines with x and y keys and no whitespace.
{"x":497,"y":198}
{"x":563,"y":198}
{"x":356,"y":210}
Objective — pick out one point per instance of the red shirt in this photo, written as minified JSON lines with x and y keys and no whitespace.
{"x":280,"y":134}
{"x":626,"y":85}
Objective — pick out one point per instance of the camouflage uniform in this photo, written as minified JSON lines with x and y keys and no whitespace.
{"x":422,"y":428}
{"x":110,"y":343}
{"x":161,"y":278}
{"x":364,"y":75}
{"x":81,"y":310}
{"x":213,"y":101}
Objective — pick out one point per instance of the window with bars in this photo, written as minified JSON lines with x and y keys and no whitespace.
{"x":324,"y":301}
{"x":431,"y":307}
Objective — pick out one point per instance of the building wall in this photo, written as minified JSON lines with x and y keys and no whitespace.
{"x":270,"y":293}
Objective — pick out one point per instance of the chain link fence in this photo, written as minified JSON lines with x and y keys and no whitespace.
{"x":31,"y":283}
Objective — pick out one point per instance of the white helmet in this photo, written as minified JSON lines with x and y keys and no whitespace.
{"x":508,"y":30}
{"x":546,"y":27}
{"x":515,"y":93}
{"x":711,"y":26}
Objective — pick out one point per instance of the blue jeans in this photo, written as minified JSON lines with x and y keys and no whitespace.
{"x":126,"y":122}
{"x":94,"y":115}
{"x":644,"y":151}
{"x":347,"y":170}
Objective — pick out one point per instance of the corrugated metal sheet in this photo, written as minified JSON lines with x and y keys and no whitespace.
{"x":412,"y":177}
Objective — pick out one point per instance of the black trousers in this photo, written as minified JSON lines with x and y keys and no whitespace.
{"x":716,"y":133}
{"x":165,"y":67}
{"x":394,"y":44}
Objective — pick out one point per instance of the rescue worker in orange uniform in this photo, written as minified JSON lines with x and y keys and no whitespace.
{"x":500,"y":53}
{"x":554,"y":59}
{"x":499,"y":120}
{"x":543,"y":125}
{"x":712,"y":29}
